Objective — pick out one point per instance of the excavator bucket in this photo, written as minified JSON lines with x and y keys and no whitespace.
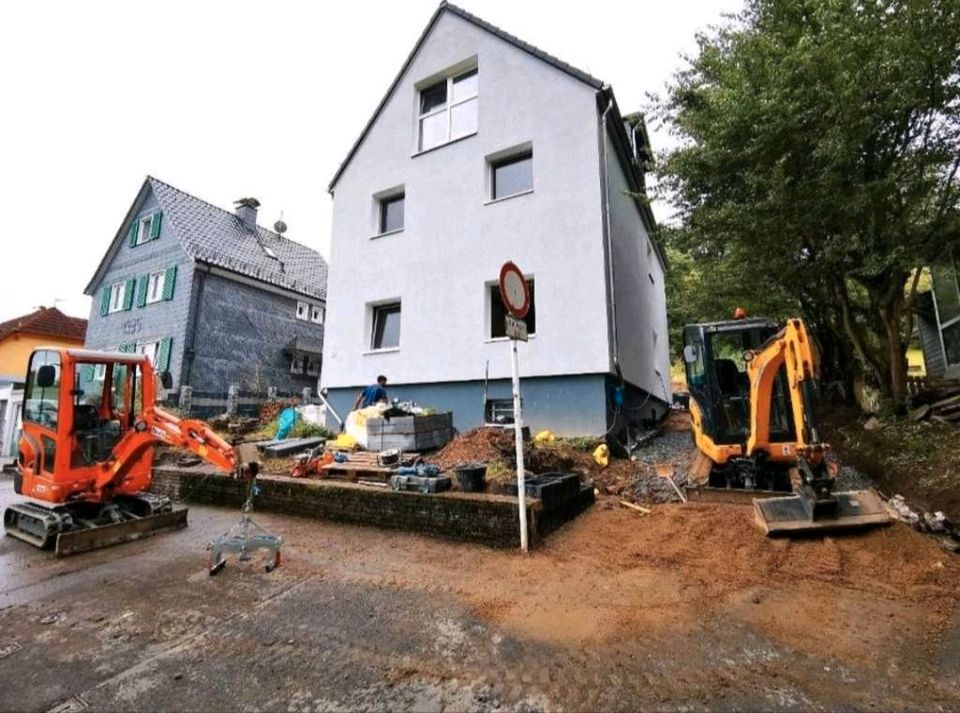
{"x":799,"y":514}
{"x":95,"y":538}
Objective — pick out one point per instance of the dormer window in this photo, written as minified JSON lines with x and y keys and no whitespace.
{"x":448,"y":109}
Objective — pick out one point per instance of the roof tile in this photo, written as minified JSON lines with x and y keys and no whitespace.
{"x":217,"y":237}
{"x":47,"y":322}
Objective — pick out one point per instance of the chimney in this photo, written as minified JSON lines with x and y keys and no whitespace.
{"x":246,"y":210}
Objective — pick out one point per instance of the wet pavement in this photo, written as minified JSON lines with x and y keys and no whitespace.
{"x":363,"y":619}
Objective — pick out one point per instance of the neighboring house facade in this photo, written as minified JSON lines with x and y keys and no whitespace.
{"x":938,"y":321}
{"x":46,"y":326}
{"x":211,"y":297}
{"x":484,"y":150}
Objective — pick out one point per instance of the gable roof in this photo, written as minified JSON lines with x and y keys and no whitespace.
{"x":621,"y":142}
{"x":484,"y":25}
{"x":214,"y":236}
{"x":46,"y":322}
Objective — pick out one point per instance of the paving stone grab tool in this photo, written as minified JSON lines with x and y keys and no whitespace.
{"x":247,"y":536}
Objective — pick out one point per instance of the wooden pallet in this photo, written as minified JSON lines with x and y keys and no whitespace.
{"x":362,"y":466}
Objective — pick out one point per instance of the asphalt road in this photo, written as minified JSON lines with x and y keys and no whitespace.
{"x":363,"y":619}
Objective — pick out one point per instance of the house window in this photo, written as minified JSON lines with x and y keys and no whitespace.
{"x":151,"y":349}
{"x":313,"y":365}
{"x":386,"y":326}
{"x":448,"y":109}
{"x":303,"y":311}
{"x":316,"y":314}
{"x":297,"y":364}
{"x":143,"y":232}
{"x":155,"y":282}
{"x":391,"y":213}
{"x":498,"y":312}
{"x":512,"y":175}
{"x":117,"y":294}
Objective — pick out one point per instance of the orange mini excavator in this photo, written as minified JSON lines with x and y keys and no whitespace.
{"x":753,"y":411}
{"x":86,"y":453}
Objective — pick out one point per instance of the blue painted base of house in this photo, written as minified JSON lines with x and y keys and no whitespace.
{"x":578,"y":405}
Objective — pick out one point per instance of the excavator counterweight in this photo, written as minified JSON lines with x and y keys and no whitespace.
{"x":86,"y":453}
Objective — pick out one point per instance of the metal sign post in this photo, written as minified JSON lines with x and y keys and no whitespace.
{"x":516,"y":298}
{"x":518,"y":433}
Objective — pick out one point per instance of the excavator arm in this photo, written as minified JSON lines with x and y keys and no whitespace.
{"x":156,"y":426}
{"x":791,"y":348}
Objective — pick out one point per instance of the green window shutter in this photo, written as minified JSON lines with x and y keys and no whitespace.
{"x":127,"y":348}
{"x":105,"y":301}
{"x":128,"y":293}
{"x":163,"y":354}
{"x":169,"y":280}
{"x":132,"y":234}
{"x":155,"y":225}
{"x":142,"y":290}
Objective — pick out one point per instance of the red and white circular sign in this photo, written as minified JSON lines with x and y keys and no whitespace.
{"x":514,"y":291}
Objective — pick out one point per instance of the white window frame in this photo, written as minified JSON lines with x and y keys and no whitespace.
{"x":374,"y":312}
{"x":507,"y":159}
{"x":155,"y":283}
{"x":151,"y":349}
{"x":316,"y":314}
{"x":118,"y":294}
{"x":298,"y":363}
{"x":143,"y":229}
{"x":447,"y":107}
{"x":303,"y":311}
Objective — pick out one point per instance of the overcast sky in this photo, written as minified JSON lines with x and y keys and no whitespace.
{"x":230,"y":99}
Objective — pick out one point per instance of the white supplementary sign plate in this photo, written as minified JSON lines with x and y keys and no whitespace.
{"x":516,"y":328}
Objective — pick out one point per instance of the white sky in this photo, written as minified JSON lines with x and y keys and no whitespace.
{"x":229,"y":99}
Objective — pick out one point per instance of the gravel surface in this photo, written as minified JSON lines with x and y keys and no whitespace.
{"x":672,"y":448}
{"x":849,"y":478}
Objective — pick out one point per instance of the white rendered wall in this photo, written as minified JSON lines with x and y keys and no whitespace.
{"x":640,"y":302}
{"x":453,"y":243}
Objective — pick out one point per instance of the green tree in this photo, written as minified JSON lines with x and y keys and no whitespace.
{"x":817,"y":165}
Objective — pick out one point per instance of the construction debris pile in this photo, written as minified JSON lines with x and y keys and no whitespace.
{"x":939,"y":402}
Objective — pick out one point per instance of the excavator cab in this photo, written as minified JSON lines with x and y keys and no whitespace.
{"x":716,"y":357}
{"x":77,"y":406}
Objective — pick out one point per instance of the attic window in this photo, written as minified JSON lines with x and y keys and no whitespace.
{"x":143,"y":234}
{"x":448,"y":109}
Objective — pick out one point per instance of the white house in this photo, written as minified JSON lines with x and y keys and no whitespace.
{"x":486,"y":149}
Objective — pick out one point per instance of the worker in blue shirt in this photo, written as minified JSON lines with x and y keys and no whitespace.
{"x":375,"y":393}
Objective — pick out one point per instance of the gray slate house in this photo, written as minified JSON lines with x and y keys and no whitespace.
{"x":212,"y":297}
{"x":938,"y":321}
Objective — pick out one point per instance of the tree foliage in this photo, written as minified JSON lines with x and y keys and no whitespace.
{"x":817,"y":169}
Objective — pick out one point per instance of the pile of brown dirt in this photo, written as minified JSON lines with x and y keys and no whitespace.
{"x":916,"y":459}
{"x":481,"y":445}
{"x":492,"y":445}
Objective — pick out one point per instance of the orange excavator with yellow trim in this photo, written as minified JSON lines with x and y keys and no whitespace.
{"x":753,"y":408}
{"x":86,"y":453}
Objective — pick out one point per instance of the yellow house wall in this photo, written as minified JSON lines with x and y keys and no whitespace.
{"x":15,"y":351}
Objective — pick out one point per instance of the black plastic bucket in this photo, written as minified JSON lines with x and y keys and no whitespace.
{"x":472,"y":477}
